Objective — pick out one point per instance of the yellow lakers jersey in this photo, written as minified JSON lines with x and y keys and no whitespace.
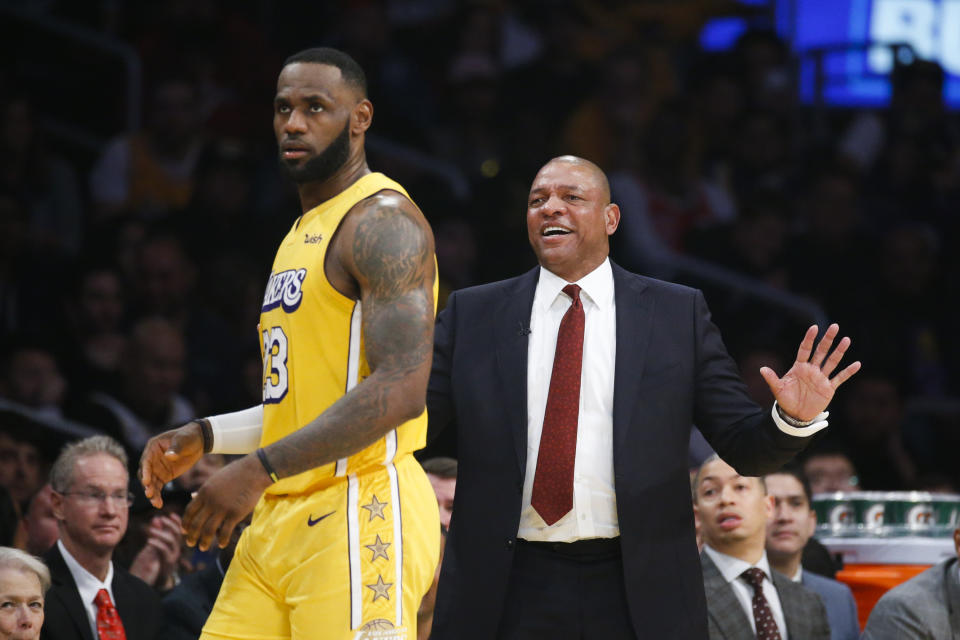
{"x":312,"y":342}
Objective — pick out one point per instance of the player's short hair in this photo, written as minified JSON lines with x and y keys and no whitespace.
{"x":22,"y":561}
{"x":795,"y":471}
{"x":441,"y":466}
{"x":349,"y":68}
{"x":61,"y":473}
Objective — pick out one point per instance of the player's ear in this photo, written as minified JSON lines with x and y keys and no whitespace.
{"x":362,"y":117}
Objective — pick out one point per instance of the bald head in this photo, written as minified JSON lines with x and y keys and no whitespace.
{"x":595,"y":172}
{"x":570,"y":217}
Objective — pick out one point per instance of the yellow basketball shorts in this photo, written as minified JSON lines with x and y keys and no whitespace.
{"x":350,"y":561}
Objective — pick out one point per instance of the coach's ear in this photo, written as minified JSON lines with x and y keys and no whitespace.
{"x":362,"y":117}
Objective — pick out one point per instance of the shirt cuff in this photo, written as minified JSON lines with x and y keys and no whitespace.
{"x":805,"y":431}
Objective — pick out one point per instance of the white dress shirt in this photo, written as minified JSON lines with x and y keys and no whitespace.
{"x":594,"y":513}
{"x":731,"y":569}
{"x":88,"y":585}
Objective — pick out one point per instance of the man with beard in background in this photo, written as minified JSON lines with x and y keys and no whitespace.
{"x":346,"y":533}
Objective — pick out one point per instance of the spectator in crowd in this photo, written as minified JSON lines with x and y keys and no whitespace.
{"x":187,"y":606}
{"x":91,"y":596}
{"x":21,"y":465}
{"x":666,"y":187}
{"x":788,"y":534}
{"x":165,"y":284}
{"x":926,"y":607}
{"x":40,"y":522}
{"x":23,"y":582}
{"x":160,"y":543}
{"x":831,"y":230}
{"x":607,"y":126}
{"x":442,"y":473}
{"x":744,"y":596}
{"x":828,"y":468}
{"x":872,"y":433}
{"x":148,"y":401}
{"x":31,"y":376}
{"x":149,"y":173}
{"x":95,"y":310}
{"x":44,"y":180}
{"x":901,"y":315}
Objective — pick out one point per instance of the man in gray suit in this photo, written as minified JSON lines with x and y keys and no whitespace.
{"x":926,"y":607}
{"x":792,"y":526}
{"x":745,"y":598}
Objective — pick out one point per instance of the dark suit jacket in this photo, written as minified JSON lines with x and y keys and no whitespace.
{"x":671,"y":371}
{"x":841,"y":607}
{"x":65,"y":617}
{"x":188,"y":606}
{"x":803,"y":610}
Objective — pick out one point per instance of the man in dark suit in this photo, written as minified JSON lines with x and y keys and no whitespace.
{"x":788,"y":533}
{"x":92,"y":598}
{"x":745,"y":598}
{"x":573,"y":408}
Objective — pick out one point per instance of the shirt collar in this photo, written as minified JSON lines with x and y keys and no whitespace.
{"x":87,"y":584}
{"x":731,"y":568}
{"x":596,"y":287}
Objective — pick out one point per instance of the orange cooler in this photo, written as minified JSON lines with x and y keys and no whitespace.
{"x":872,"y":566}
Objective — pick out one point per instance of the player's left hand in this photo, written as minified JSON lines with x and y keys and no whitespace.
{"x":225,"y":499}
{"x":807,"y":388}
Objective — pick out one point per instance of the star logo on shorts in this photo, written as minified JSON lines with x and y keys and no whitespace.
{"x":381,"y":589}
{"x":376,"y":508}
{"x":379,"y":549}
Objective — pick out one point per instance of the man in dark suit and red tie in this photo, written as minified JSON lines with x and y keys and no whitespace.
{"x":573,"y":388}
{"x":92,"y":598}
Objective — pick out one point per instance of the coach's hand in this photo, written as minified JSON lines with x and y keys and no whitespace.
{"x":807,"y":388}
{"x":167,"y":456}
{"x":223,"y":501}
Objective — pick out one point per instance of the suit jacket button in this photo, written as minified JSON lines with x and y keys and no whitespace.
{"x":509,"y":543}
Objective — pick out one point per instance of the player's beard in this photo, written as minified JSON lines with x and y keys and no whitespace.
{"x":326,"y":164}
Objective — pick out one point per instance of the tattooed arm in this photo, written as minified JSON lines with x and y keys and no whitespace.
{"x":387,"y":247}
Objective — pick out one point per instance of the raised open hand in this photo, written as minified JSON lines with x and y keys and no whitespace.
{"x":807,"y":388}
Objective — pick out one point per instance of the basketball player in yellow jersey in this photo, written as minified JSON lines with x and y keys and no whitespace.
{"x":345,"y":532}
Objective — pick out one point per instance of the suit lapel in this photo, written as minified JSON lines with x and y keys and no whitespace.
{"x":722,"y":605}
{"x":634,"y":320}
{"x":511,"y":330}
{"x":65,"y":589}
{"x":794,"y":613}
{"x":125,"y":603}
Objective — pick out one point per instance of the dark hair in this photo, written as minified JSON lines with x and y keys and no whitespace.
{"x":349,"y":69}
{"x":796,"y":472}
{"x":441,"y":466}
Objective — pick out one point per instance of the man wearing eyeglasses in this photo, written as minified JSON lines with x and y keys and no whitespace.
{"x":92,"y":598}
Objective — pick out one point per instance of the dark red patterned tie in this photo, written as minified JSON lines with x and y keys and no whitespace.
{"x":552,"y":495}
{"x":762,"y":615}
{"x":109,"y":625}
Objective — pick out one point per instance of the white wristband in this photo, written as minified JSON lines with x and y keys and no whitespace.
{"x":238,"y":432}
{"x":818,"y":423}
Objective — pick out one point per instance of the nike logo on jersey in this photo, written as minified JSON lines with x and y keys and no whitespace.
{"x":284,"y":288}
{"x":311,"y":521}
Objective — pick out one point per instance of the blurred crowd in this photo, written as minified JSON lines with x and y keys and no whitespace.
{"x":131,"y":270}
